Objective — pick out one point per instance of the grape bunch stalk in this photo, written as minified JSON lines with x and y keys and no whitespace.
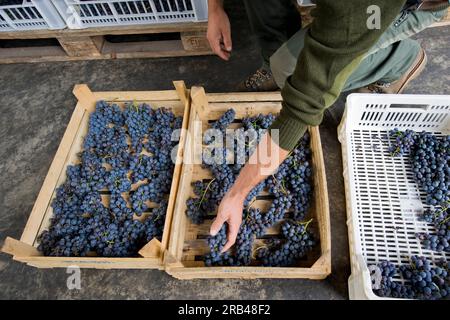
{"x":113,"y":161}
{"x":289,"y":190}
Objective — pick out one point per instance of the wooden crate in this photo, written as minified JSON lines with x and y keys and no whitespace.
{"x":90,"y":44}
{"x":187,"y":241}
{"x":151,"y":255}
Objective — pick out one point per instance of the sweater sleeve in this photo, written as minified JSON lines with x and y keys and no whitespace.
{"x":334,"y":46}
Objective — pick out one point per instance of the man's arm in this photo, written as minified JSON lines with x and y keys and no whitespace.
{"x":254,"y":172}
{"x":335,"y":44}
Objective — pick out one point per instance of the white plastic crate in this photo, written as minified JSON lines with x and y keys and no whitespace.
{"x":30,"y":15}
{"x":80,"y":14}
{"x":383,"y":200}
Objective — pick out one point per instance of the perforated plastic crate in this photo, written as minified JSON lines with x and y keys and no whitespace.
{"x":99,"y":13}
{"x":29,"y":15}
{"x":383,"y":200}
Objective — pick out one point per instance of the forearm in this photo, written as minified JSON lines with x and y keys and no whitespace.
{"x":214,"y":5}
{"x":257,"y":168}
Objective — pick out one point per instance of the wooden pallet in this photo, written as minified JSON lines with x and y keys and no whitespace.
{"x":188,"y":241}
{"x":90,"y":44}
{"x":151,"y":254}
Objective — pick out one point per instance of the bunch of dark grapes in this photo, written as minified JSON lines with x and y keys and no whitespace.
{"x":421,"y":280}
{"x":289,"y":190}
{"x":220,"y":125}
{"x":440,"y":218}
{"x":403,"y":141}
{"x":83,"y":222}
{"x":216,"y":244}
{"x":430,"y":159}
{"x":138,"y":119}
{"x":298,"y":241}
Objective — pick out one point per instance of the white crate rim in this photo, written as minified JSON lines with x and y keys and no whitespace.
{"x":30,"y":15}
{"x":101,"y":13}
{"x":367,"y":115}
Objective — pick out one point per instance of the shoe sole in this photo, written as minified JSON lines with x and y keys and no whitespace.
{"x":415,"y":72}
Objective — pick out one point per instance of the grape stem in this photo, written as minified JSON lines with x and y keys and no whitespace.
{"x":204,"y":193}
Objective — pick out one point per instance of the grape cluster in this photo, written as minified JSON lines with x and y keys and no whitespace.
{"x":289,"y":190}
{"x":220,"y":125}
{"x":84,"y":222}
{"x":404,"y":141}
{"x":298,"y":241}
{"x":421,"y":280}
{"x":440,"y":218}
{"x":430,"y":159}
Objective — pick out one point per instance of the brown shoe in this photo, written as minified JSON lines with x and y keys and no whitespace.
{"x":261,"y":80}
{"x":399,"y":85}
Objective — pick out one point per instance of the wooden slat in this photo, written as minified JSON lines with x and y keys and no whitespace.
{"x":203,"y":229}
{"x":57,"y":54}
{"x":71,"y":157}
{"x":316,"y":273}
{"x":245,"y":97}
{"x":99,"y":31}
{"x":322,"y":210}
{"x":183,"y":96}
{"x":139,"y":96}
{"x":92,"y":263}
{"x":58,"y":164}
{"x":243,"y":109}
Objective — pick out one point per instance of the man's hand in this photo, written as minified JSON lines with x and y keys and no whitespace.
{"x":230,"y":211}
{"x":255,"y":171}
{"x":219,"y":31}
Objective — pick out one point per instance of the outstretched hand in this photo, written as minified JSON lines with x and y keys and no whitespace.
{"x":255,"y":170}
{"x":230,"y":211}
{"x":219,"y":32}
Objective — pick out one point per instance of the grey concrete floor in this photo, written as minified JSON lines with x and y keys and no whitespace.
{"x":36,"y":103}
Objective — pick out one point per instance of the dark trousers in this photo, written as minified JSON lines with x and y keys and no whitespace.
{"x":273,"y":22}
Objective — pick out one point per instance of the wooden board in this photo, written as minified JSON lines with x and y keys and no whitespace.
{"x":71,"y":143}
{"x":188,"y":241}
{"x":90,"y":43}
{"x":99,"y":31}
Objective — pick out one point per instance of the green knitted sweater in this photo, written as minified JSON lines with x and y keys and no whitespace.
{"x":335,"y":44}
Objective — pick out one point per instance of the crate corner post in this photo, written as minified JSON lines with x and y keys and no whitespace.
{"x":18,"y":248}
{"x":199,"y":100}
{"x":171,"y":262}
{"x":183,"y":92}
{"x":153,"y":249}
